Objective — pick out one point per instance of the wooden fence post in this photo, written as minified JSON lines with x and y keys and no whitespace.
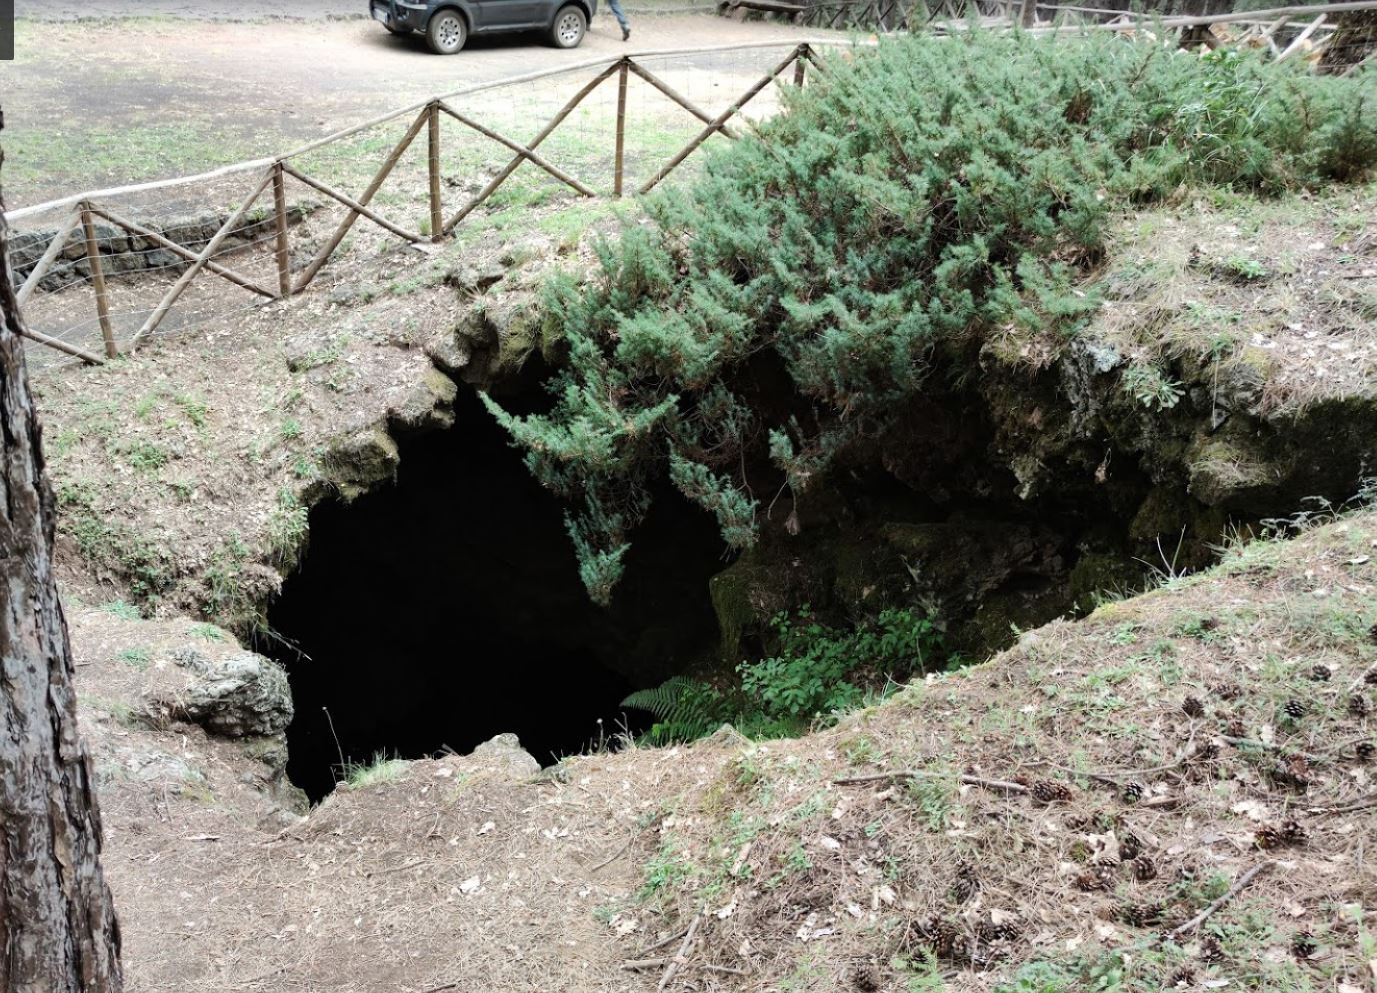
{"x":283,"y":252}
{"x":1028,"y":15}
{"x":799,"y":64}
{"x":98,"y":281}
{"x":619,"y":164}
{"x":207,"y":253}
{"x":437,"y":217}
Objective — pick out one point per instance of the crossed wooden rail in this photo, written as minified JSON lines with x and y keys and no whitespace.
{"x":278,"y":171}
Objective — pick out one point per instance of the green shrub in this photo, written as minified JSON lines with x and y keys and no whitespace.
{"x":914,"y":202}
{"x":815,"y":672}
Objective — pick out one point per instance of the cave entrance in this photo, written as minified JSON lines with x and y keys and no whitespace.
{"x":446,"y":608}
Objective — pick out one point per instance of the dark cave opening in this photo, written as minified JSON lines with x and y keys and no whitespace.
{"x":446,"y":608}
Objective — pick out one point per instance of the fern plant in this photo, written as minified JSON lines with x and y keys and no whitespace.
{"x":816,"y":673}
{"x":684,"y":709}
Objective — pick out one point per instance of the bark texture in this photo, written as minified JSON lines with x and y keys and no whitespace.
{"x":58,"y":932}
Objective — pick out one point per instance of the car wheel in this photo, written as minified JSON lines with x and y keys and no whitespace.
{"x":446,"y":32}
{"x":569,"y":27}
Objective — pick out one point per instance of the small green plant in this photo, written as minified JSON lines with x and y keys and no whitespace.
{"x":145,"y":405}
{"x":1148,"y":385}
{"x":194,"y":409}
{"x":289,"y":430}
{"x":287,"y":529}
{"x":136,"y":658}
{"x":935,"y":799}
{"x":381,"y":769}
{"x":208,"y":632}
{"x":1245,"y":269}
{"x":666,"y":870}
{"x":122,"y":610}
{"x":142,"y":456}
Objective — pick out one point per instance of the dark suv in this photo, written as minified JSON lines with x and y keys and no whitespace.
{"x":447,"y":24}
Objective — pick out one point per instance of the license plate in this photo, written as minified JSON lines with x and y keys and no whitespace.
{"x":379,"y":14}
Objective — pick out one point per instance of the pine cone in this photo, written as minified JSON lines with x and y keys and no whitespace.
{"x":1185,"y":976}
{"x":1372,"y":637}
{"x":990,"y":932}
{"x":1210,"y":950}
{"x":1371,"y":678}
{"x":1133,"y":792}
{"x":1143,"y":868}
{"x":1358,"y":706}
{"x":1294,"y":773}
{"x":1319,"y":674}
{"x":1142,"y":915}
{"x":1193,"y":707}
{"x":1099,"y":878}
{"x":1048,"y":791}
{"x":1130,"y":846}
{"x":1303,"y":945}
{"x":965,"y":884}
{"x":1236,"y":729}
{"x":1288,"y":833}
{"x":1365,"y":751}
{"x":940,"y":937}
{"x":1227,"y":692}
{"x":1294,"y":709}
{"x":1205,"y":751}
{"x":867,"y":978}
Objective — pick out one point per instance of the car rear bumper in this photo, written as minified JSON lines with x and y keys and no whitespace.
{"x":398,"y":15}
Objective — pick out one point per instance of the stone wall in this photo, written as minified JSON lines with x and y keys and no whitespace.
{"x":122,"y":252}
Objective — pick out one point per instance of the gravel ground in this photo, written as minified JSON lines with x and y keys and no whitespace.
{"x":157,"y":98}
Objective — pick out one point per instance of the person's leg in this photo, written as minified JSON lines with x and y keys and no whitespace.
{"x":620,"y":15}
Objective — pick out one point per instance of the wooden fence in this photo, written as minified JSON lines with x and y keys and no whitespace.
{"x":272,"y":178}
{"x":1284,"y":31}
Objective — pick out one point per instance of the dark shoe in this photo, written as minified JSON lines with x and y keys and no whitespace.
{"x":626,"y":34}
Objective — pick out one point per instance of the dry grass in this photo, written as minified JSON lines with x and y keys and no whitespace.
{"x":1277,"y":294}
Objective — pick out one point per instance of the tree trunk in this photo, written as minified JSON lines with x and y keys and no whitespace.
{"x":58,"y":932}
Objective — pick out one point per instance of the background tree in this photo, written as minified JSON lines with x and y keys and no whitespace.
{"x":58,"y":932}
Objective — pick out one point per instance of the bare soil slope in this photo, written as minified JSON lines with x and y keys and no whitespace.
{"x":1060,"y":817}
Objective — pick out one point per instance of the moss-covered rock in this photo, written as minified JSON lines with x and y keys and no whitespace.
{"x":356,"y":464}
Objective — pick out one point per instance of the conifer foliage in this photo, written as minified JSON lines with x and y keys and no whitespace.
{"x":912,"y":201}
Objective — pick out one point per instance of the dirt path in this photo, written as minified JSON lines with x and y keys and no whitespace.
{"x":157,"y":97}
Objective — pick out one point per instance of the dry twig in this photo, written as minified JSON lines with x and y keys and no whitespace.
{"x":889,"y":777}
{"x":1239,"y":885}
{"x":680,"y":956}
